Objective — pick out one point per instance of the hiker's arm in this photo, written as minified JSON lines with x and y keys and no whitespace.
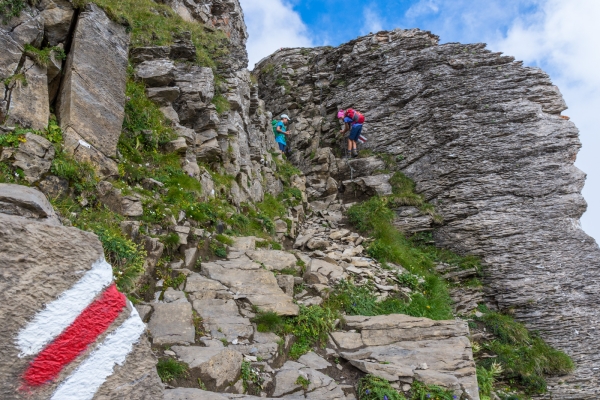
{"x":279,"y":130}
{"x":346,"y":128}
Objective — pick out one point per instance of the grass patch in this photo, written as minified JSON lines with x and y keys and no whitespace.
{"x":169,"y":369}
{"x":302,"y":381}
{"x":420,"y":391}
{"x":221,"y":103}
{"x":524,"y":357}
{"x":311,"y":327}
{"x":268,"y":321}
{"x":430,"y":300}
{"x":371,"y":387}
{"x":224,"y":239}
{"x":44,"y":56}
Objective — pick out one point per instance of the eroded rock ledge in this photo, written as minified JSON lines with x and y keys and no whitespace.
{"x":483,"y":138}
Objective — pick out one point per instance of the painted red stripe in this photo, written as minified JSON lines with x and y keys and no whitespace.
{"x":90,"y":324}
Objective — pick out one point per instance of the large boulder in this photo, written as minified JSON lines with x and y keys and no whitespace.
{"x":92,"y":98}
{"x":26,"y":202}
{"x":69,"y":313}
{"x":258,"y":285}
{"x":402,"y":349}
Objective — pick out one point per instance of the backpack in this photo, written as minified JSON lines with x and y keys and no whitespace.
{"x":274,"y":126}
{"x":356,"y":117}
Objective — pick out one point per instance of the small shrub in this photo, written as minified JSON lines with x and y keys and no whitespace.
{"x":371,"y":387}
{"x":126,"y":257}
{"x":169,"y":369}
{"x":310,"y":327}
{"x":11,"y":8}
{"x":250,"y":376}
{"x":487,"y":377}
{"x":221,"y":103}
{"x":302,"y":381}
{"x":218,"y":250}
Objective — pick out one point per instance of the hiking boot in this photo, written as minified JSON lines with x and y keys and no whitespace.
{"x":354,"y":154}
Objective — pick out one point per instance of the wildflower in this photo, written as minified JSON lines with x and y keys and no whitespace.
{"x":368,"y":391}
{"x":385,"y":397}
{"x":428,"y":307}
{"x":428,"y":396}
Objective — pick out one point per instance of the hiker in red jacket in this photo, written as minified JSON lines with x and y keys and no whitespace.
{"x":353,"y":122}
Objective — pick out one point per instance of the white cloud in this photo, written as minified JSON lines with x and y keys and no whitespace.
{"x":372,"y":21}
{"x":272,"y":24}
{"x":563,"y":39}
{"x":423,"y":7}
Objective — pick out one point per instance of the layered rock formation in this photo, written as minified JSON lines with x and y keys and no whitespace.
{"x":483,"y":138}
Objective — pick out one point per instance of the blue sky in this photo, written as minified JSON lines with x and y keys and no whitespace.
{"x":560,"y":36}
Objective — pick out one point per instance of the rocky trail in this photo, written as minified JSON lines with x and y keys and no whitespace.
{"x":207,"y":323}
{"x":155,"y":245}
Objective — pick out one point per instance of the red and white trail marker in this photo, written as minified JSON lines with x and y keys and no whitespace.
{"x":68,"y":326}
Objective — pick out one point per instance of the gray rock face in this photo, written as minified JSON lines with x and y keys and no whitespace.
{"x":258,"y":285}
{"x":218,"y":367}
{"x":34,"y":157}
{"x":26,"y":202}
{"x":402,"y":348}
{"x":38,"y":263}
{"x":128,"y":206}
{"x":92,"y":98}
{"x":481,"y":135}
{"x":171,"y":323}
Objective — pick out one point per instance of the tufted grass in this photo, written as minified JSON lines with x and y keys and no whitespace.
{"x":169,"y":369}
{"x":526,"y":359}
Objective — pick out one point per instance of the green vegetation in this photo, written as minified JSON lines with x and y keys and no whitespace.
{"x":310,"y":327}
{"x":169,"y":369}
{"x":430,"y":299}
{"x":250,"y":378}
{"x":153,"y":23}
{"x":371,"y":387}
{"x":221,"y":103}
{"x":268,"y":321}
{"x":420,"y":391}
{"x":302,"y":381}
{"x":12,"y":8}
{"x":43,"y":56}
{"x":486,"y":378}
{"x":522,"y":357}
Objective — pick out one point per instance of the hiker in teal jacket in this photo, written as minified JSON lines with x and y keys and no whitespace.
{"x":281,"y":128}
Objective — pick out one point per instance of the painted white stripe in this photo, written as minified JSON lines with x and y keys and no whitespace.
{"x":92,"y":373}
{"x":59,"y":314}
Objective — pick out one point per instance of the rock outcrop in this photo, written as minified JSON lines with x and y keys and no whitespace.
{"x":91,"y":101}
{"x":71,"y":334}
{"x":482,"y":137}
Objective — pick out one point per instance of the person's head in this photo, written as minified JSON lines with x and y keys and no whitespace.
{"x":341,"y":114}
{"x":285,"y":118}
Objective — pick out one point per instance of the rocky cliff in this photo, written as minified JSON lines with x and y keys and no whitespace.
{"x":141,"y":124}
{"x":483,"y":138}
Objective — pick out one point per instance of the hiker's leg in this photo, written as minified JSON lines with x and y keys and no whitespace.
{"x":281,"y":147}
